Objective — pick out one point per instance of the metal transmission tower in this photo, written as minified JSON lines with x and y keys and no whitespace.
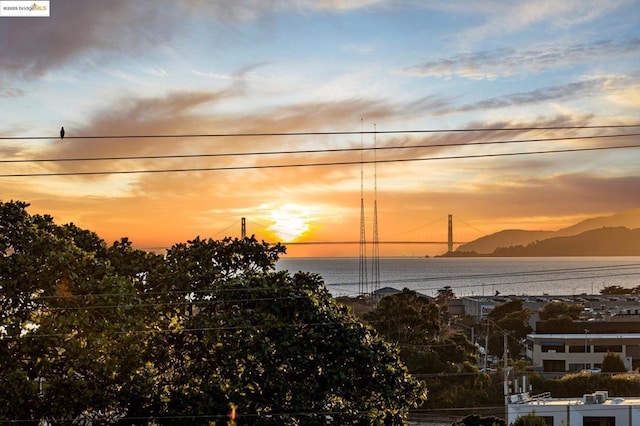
{"x":243,"y":228}
{"x":450,"y":238}
{"x":363,"y":286}
{"x":375,"y":256}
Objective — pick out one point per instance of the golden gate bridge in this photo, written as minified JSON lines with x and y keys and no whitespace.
{"x":450,"y":240}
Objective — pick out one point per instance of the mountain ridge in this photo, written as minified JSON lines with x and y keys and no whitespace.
{"x":607,"y":241}
{"x":488,"y":244}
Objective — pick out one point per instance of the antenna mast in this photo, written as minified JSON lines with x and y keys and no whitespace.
{"x":375,"y":269}
{"x":362,"y":274}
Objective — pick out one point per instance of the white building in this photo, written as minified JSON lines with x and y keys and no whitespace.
{"x":595,"y":409}
{"x":574,"y":352}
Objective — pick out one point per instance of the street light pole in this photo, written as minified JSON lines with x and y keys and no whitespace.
{"x":586,"y":332}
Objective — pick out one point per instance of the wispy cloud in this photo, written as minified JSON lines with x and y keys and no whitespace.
{"x":574,"y":90}
{"x":11,"y":92}
{"x":506,"y":62}
{"x":243,"y":10}
{"x":155,"y":72}
{"x":82,"y":28}
{"x":245,"y":75}
{"x":506,"y":17}
{"x":359,"y":49}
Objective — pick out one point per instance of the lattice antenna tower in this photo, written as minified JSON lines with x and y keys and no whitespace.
{"x":375,"y":256}
{"x":363,"y":286}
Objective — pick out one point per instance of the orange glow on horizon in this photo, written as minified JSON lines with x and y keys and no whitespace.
{"x":290,"y":222}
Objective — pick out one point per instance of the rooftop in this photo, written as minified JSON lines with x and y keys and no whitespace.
{"x":568,"y":336}
{"x":631,"y":400}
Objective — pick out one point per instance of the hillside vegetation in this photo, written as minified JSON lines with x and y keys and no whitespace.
{"x":488,"y":244}
{"x":619,"y":241}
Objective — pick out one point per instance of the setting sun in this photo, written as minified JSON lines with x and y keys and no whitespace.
{"x":290,"y":222}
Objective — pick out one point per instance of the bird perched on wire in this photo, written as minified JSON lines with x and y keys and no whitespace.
{"x":61,"y":132}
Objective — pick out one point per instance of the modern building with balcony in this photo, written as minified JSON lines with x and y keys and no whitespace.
{"x":561,"y":353}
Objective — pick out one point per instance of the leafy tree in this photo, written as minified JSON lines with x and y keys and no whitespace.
{"x":616,"y":289}
{"x":530,"y":420}
{"x":444,"y":295}
{"x":447,"y":361}
{"x":556,"y":310}
{"x":580,"y":383}
{"x":110,"y":333}
{"x":505,"y":309}
{"x":563,"y":324}
{"x":65,"y":316}
{"x":442,"y":300}
{"x":450,"y":354}
{"x":612,"y":363}
{"x":406,"y":318}
{"x":511,"y":318}
{"x":270,"y":343}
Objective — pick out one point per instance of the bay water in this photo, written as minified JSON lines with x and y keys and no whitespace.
{"x":475,"y":276}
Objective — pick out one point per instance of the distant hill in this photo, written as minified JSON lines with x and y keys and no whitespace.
{"x":515,"y":237}
{"x":629,"y":219}
{"x":618,"y":241}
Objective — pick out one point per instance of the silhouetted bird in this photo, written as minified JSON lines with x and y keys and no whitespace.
{"x":61,"y":132}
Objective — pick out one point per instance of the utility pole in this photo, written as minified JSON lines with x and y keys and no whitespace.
{"x":586,"y":347}
{"x":505,"y":367}
{"x":505,"y":364}
{"x":486,"y":349}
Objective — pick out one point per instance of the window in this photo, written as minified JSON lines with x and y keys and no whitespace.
{"x":607,"y":348}
{"x":578,"y":349}
{"x":552,"y":365}
{"x":552,"y":347}
{"x":599,"y":421}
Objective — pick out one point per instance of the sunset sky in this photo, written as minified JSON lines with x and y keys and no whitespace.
{"x":334,"y":70}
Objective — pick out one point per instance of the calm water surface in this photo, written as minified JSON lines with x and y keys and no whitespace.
{"x":477,"y":276}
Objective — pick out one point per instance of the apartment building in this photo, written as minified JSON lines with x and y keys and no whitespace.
{"x":560,"y":353}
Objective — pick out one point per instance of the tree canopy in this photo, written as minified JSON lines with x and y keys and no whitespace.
{"x":616,"y":289}
{"x":612,"y":363}
{"x":447,"y":358}
{"x":115,"y":334}
{"x":557,"y":310}
{"x":510,"y":318}
{"x":530,"y":420}
{"x":406,"y":318}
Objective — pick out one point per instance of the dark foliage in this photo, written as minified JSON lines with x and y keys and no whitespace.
{"x":113,"y":334}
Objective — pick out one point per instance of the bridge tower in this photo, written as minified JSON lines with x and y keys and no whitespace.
{"x":450,"y":236}
{"x":243,"y":228}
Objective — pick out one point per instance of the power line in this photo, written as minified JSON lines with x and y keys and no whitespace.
{"x":271,"y":415}
{"x":335,"y":133}
{"x":312,"y":151}
{"x":332,"y":163}
{"x":177,"y":330}
{"x":212,"y":291}
{"x":304,"y":243}
{"x":620,"y":269}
